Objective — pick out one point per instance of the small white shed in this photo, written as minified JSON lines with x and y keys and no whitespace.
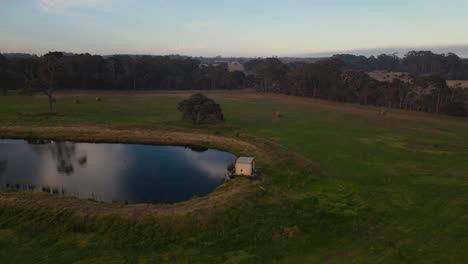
{"x":245,"y":166}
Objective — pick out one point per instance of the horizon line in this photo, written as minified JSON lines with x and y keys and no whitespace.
{"x":462,"y":52}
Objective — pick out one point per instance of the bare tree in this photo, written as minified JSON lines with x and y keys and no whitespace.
{"x":51,"y":64}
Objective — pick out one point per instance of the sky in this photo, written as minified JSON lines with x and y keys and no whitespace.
{"x":233,"y":28}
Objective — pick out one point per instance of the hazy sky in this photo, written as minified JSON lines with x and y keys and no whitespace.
{"x":229,"y":28}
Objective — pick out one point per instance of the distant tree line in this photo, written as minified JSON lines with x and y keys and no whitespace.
{"x":340,"y":78}
{"x":332,"y":79}
{"x":119,"y":72}
{"x":421,"y":63}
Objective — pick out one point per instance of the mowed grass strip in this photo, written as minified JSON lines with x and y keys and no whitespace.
{"x":382,"y":189}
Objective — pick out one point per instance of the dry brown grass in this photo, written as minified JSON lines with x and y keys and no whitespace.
{"x":458,"y":84}
{"x":387,"y":76}
{"x":81,"y":132}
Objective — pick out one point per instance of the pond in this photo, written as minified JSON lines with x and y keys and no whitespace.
{"x":123,"y":173}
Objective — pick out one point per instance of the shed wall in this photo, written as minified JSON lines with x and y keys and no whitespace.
{"x":243,"y":169}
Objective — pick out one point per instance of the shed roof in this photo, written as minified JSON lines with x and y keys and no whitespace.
{"x":245,"y":160}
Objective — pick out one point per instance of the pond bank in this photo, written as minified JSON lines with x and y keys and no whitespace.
{"x":221,"y":197}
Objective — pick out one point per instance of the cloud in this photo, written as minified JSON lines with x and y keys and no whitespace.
{"x":211,"y":163}
{"x":63,"y":5}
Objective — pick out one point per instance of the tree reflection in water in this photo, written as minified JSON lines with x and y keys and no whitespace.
{"x":117,"y":172}
{"x":3,"y":165}
{"x":198,"y":149}
{"x":64,"y":153}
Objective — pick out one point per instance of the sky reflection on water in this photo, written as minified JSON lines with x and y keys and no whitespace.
{"x":112,"y":172}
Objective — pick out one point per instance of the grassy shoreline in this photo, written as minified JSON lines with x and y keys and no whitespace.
{"x":342,"y":184}
{"x":226,"y":192}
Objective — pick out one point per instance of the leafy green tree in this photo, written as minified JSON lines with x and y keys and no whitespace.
{"x":199,"y":109}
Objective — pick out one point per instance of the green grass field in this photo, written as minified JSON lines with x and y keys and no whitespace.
{"x":363,"y":187}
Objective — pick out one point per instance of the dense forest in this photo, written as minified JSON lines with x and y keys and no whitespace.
{"x":333,"y":79}
{"x":340,"y":78}
{"x":119,"y":72}
{"x":423,"y":63}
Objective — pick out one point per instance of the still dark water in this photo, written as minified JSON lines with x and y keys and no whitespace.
{"x":112,"y":172}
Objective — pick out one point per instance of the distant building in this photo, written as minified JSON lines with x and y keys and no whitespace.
{"x":235,"y":66}
{"x":245,"y":166}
